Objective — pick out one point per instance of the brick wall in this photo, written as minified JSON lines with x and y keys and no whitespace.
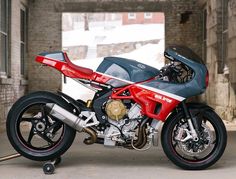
{"x":44,"y":35}
{"x":188,"y":33}
{"x":14,"y":86}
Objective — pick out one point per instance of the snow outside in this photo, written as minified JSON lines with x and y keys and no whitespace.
{"x":93,"y":29}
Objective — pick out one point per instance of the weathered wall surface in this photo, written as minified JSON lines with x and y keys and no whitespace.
{"x":222,"y":88}
{"x":189,"y":32}
{"x":13,"y":86}
{"x":44,"y":34}
{"x":231,"y":60}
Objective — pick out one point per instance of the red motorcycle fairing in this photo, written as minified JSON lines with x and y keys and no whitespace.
{"x":101,"y":78}
{"x":154,"y":105}
{"x":150,"y":99}
{"x":67,"y":67}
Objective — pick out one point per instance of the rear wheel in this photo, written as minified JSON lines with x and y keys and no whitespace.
{"x":191,"y":154}
{"x":33,"y":132}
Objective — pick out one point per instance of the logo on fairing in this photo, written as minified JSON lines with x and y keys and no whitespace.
{"x":163,"y":98}
{"x":141,"y":66}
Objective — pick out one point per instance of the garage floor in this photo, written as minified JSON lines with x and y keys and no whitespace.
{"x":95,"y":161}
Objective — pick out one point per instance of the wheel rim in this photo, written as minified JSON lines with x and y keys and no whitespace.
{"x":37,"y":130}
{"x":201,"y":150}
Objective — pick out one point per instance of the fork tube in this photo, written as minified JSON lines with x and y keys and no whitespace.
{"x":186,"y":111}
{"x":189,"y":116}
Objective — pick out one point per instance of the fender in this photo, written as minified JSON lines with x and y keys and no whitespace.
{"x":193,"y":107}
{"x":198,"y":106}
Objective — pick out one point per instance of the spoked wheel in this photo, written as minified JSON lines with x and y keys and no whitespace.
{"x":33,"y":132}
{"x":37,"y":129}
{"x":194,"y":154}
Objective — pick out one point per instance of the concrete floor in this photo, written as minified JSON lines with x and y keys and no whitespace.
{"x":95,"y":161}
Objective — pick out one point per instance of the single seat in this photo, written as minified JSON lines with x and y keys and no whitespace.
{"x":84,"y":70}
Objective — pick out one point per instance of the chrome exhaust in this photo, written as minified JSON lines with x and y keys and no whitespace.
{"x":69,"y":118}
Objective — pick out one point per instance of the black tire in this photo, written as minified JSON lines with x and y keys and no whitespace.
{"x":15,"y":135}
{"x":194,"y":162}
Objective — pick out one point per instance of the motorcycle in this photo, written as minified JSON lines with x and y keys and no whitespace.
{"x":133,"y":104}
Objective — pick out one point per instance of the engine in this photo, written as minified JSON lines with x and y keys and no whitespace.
{"x":123,"y":122}
{"x":115,"y":109}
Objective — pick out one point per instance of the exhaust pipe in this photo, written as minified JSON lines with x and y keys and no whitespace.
{"x":66,"y":117}
{"x":93,"y":136}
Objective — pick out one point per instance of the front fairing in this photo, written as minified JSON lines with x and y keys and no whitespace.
{"x":192,"y":88}
{"x":197,"y":85}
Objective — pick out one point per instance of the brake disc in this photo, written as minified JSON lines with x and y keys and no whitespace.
{"x":190,"y":147}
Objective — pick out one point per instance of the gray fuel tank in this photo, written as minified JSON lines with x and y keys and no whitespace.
{"x":127,"y":70}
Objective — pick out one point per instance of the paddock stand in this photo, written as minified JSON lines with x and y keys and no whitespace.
{"x":48,"y":167}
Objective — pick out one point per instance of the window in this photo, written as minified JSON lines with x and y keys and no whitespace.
{"x":3,"y":37}
{"x":23,"y":19}
{"x":131,"y":15}
{"x":147,"y":15}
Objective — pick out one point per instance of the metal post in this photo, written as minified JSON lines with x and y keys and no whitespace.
{"x":9,"y":157}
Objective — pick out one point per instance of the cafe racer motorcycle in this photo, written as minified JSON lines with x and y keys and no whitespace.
{"x":131,"y":103}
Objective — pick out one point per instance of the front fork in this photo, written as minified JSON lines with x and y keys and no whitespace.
{"x":192,"y":121}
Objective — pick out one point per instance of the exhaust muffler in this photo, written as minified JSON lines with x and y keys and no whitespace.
{"x":66,"y":117}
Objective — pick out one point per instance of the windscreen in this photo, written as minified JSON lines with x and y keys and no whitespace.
{"x":186,"y":52}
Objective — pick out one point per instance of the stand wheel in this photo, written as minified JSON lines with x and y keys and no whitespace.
{"x":48,"y":168}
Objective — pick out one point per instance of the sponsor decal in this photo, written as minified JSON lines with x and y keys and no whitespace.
{"x":163,"y":98}
{"x":49,"y":62}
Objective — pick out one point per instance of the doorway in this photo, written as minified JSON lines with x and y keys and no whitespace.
{"x":89,"y":37}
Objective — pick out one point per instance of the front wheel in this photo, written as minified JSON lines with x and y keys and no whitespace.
{"x":191,"y":154}
{"x":33,"y":132}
